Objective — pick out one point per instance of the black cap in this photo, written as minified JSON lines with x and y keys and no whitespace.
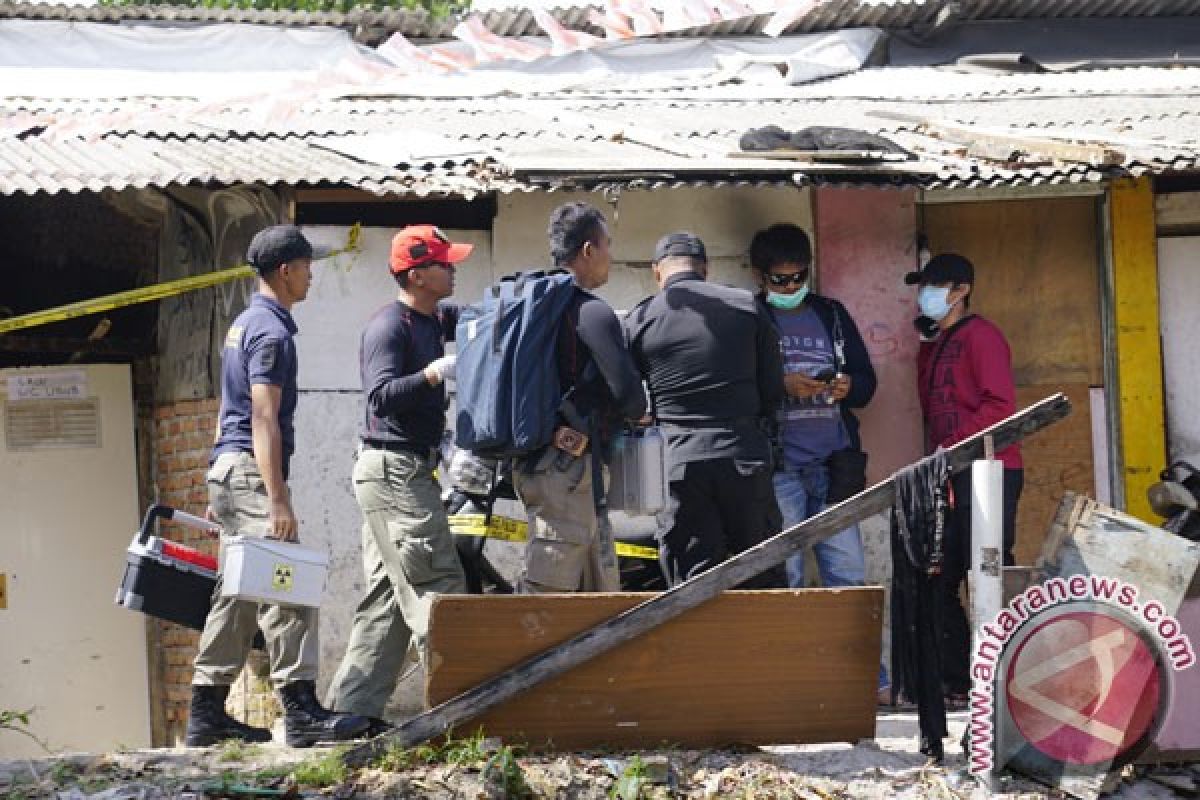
{"x":944,"y":268}
{"x":681,"y":243}
{"x":274,"y":246}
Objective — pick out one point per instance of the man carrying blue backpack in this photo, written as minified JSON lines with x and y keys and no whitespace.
{"x":545,"y":380}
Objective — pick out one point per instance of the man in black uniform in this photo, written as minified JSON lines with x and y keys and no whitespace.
{"x":712,"y":363}
{"x":570,"y":544}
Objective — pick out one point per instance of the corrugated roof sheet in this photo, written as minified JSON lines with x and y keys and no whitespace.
{"x":370,"y":25}
{"x":654,"y":139}
{"x":367,"y":25}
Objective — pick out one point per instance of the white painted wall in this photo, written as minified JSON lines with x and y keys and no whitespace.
{"x":725,"y":218}
{"x":1178,"y":299}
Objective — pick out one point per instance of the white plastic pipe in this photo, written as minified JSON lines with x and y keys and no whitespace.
{"x":987,"y":542}
{"x":987,"y":556}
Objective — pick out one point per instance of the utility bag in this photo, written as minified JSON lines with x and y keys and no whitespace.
{"x":509,"y":394}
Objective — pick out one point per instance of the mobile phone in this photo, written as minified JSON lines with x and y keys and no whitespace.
{"x":826,"y":375}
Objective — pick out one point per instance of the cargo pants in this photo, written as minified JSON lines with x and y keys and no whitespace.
{"x":408,"y":556}
{"x":238,"y":497}
{"x":570,"y":545}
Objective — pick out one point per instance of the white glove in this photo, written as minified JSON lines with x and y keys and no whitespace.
{"x":442,"y":368}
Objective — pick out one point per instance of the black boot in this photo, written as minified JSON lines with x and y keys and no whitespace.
{"x":307,"y":722}
{"x":208,"y":723}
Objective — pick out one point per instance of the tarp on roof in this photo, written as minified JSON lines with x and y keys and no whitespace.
{"x":210,"y":48}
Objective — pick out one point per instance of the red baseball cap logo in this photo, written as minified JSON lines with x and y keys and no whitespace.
{"x":418,"y":245}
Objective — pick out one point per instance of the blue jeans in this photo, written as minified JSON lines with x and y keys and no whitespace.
{"x":801,"y":494}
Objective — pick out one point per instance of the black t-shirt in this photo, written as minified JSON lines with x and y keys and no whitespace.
{"x":400,"y":405}
{"x":712,"y":363}
{"x":259,"y":349}
{"x":612,"y":390}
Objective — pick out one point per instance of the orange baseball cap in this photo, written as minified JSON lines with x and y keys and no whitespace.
{"x":418,"y":245}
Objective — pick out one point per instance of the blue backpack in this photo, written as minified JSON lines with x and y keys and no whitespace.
{"x":509,"y":393}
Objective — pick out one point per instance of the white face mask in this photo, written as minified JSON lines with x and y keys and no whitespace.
{"x":932,"y":302}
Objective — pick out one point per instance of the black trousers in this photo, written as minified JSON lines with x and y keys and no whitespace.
{"x":718,"y":509}
{"x":957,"y":563}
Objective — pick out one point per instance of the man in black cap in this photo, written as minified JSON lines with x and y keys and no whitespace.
{"x":248,"y":496}
{"x":712,"y":363}
{"x":965,"y":383}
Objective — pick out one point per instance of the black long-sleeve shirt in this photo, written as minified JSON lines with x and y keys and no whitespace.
{"x":591,"y":333}
{"x":401,"y":408}
{"x":713,"y":366}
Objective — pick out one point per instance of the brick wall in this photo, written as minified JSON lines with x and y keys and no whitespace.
{"x":183,"y":438}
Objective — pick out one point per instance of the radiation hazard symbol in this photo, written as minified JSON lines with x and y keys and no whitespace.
{"x":282,"y":579}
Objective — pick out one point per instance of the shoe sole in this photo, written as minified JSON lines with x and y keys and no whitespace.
{"x":309,"y":740}
{"x":209,"y":741}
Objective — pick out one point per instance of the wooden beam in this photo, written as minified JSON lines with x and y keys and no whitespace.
{"x":1135,"y":327}
{"x":1001,"y":144}
{"x":694,"y":592}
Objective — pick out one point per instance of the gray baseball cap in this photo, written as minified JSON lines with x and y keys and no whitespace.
{"x":274,"y":246}
{"x":680,"y":243}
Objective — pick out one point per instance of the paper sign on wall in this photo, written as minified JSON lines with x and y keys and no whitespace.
{"x":58,"y":385}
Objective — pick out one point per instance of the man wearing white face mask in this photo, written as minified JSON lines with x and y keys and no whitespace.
{"x":965,"y":382}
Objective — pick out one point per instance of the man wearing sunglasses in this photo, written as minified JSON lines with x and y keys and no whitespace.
{"x":408,"y":550}
{"x":827,"y":373}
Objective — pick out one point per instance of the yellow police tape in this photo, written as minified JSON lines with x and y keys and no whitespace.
{"x":146,"y":294}
{"x":512,"y":530}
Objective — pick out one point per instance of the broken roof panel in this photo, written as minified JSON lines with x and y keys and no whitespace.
{"x":369,"y":25}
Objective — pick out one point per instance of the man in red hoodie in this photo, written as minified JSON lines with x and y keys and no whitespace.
{"x":965,"y":382}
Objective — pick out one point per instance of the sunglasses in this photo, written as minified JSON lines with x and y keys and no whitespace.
{"x":784,"y":278}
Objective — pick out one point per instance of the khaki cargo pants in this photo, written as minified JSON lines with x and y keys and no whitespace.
{"x":408,"y":556}
{"x":238,"y":497}
{"x":570,"y":546}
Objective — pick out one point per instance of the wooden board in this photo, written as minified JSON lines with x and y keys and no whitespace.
{"x":1037,"y":272}
{"x":784,"y":666}
{"x":1057,"y":460}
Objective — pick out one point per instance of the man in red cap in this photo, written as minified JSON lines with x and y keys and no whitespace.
{"x":408,"y":550}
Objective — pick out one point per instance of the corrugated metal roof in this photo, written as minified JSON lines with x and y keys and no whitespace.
{"x":1148,"y":118}
{"x":369,"y":25}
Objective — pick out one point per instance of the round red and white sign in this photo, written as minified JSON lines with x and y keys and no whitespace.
{"x":1084,"y":687}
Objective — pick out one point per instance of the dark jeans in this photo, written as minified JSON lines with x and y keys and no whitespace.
{"x":957,"y":563}
{"x":719,"y":508}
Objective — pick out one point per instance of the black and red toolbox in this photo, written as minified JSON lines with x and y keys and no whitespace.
{"x":166,"y":579}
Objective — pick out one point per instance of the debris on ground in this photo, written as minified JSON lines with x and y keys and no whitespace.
{"x":487,"y":769}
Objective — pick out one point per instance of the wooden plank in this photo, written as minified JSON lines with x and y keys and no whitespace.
{"x":696,"y":591}
{"x":1009,"y":144}
{"x":1139,"y":349}
{"x":805,"y":669}
{"x":1058,"y":461}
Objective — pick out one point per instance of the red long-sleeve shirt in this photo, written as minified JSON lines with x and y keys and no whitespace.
{"x":966,"y":385}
